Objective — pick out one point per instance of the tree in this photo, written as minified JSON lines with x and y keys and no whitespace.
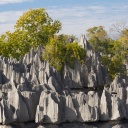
{"x":123,"y":38}
{"x":98,"y":38}
{"x":67,"y":38}
{"x":97,"y":32}
{"x":113,"y":51}
{"x":59,"y":53}
{"x":38,"y":26}
{"x":114,"y":65}
{"x":13,"y":45}
{"x":32,"y":29}
{"x":120,"y":35}
{"x":117,"y":29}
{"x":74,"y":52}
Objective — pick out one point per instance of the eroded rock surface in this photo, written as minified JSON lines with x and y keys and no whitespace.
{"x":32,"y":90}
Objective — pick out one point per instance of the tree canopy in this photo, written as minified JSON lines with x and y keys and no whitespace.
{"x":36,"y":28}
{"x":113,"y":51}
{"x":32,"y":29}
{"x":97,"y":37}
{"x":58,"y":53}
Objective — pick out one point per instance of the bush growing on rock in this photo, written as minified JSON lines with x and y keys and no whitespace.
{"x":113,"y":52}
{"x":59,"y":53}
{"x":35,"y":28}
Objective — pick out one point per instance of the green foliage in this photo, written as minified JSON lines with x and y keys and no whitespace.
{"x":73,"y":52}
{"x":114,"y":52}
{"x":66,"y":38}
{"x":35,"y":28}
{"x":59,"y":53}
{"x":97,"y":38}
{"x":13,"y":45}
{"x":97,"y":32}
{"x":114,"y":65}
{"x":38,"y":26}
{"x":54,"y":53}
{"x":32,"y":29}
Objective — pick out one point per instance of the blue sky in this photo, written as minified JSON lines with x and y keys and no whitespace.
{"x":76,"y":16}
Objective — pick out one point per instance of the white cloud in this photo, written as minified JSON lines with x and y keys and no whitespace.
{"x":6,"y":27}
{"x":75,"y":20}
{"x":12,"y":1}
{"x":10,"y":16}
{"x":8,"y":19}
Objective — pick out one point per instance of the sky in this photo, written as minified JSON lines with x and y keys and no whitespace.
{"x":76,"y":16}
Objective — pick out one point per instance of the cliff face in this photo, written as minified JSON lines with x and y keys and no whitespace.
{"x":32,"y":90}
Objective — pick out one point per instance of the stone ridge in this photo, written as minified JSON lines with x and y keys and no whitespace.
{"x":32,"y":90}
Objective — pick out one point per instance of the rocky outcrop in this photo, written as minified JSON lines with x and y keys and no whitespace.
{"x":48,"y":109}
{"x":32,"y":90}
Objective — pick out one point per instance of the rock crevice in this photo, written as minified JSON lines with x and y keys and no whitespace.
{"x":32,"y":90}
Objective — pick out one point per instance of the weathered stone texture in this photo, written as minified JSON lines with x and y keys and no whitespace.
{"x":32,"y":90}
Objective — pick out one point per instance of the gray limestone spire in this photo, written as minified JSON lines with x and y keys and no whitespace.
{"x":31,"y":89}
{"x":85,"y":44}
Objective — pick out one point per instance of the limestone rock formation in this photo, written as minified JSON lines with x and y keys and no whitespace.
{"x":33,"y":90}
{"x":105,"y":107}
{"x":48,"y":110}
